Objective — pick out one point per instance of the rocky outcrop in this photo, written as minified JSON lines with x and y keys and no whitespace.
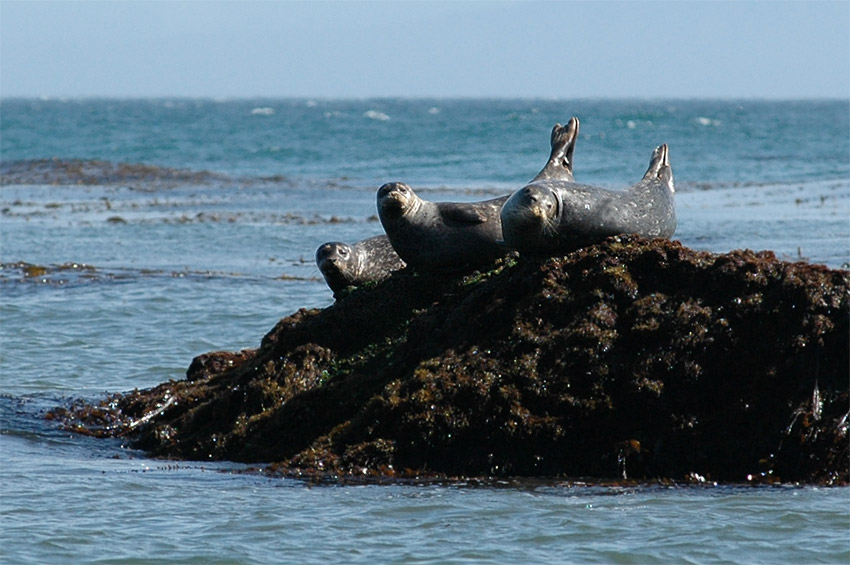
{"x":628,"y":358}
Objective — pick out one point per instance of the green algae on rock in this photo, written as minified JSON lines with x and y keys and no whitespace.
{"x":628,"y":358}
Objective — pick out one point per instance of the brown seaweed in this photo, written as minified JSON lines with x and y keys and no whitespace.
{"x":629,"y":358}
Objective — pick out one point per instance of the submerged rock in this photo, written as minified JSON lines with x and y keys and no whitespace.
{"x":91,"y":172}
{"x":629,"y":358}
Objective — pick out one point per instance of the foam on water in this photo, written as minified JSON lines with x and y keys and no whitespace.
{"x":375,"y":115}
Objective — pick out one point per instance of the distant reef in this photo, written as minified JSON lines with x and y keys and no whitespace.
{"x":92,"y":172}
{"x":630,"y":358}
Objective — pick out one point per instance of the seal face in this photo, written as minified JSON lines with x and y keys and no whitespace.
{"x":343,"y":265}
{"x":444,"y":237}
{"x":552,"y":215}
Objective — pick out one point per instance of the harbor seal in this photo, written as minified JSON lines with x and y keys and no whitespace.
{"x":453,"y":237}
{"x":550,"y":216}
{"x":343,"y":265}
{"x":442,"y":237}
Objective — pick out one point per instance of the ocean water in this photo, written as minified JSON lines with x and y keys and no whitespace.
{"x":111,"y":282}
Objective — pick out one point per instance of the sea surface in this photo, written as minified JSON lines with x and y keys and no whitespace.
{"x":136,"y":234}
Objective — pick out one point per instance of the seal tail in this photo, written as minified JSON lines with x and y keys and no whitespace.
{"x":659,"y":166}
{"x":563,"y":141}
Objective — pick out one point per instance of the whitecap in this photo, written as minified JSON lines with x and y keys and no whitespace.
{"x":703,"y":121}
{"x":375,"y":115}
{"x":263,"y":111}
{"x":433,"y":110}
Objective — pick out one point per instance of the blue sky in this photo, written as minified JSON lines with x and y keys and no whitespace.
{"x":567,"y":49}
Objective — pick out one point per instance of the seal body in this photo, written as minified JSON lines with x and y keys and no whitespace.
{"x":371,"y":260}
{"x":442,"y":237}
{"x":555,"y":216}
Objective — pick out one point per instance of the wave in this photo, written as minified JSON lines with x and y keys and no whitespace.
{"x":375,"y":115}
{"x":703,"y":121}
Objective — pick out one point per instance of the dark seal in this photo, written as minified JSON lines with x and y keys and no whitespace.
{"x":553,"y":215}
{"x":371,"y":260}
{"x":441,"y":237}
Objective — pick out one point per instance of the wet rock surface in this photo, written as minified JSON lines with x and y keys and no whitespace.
{"x":629,"y":358}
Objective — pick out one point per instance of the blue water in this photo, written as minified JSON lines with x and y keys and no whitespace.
{"x":137,"y":277}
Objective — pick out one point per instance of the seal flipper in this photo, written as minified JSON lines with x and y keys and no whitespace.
{"x":563,"y":141}
{"x":659,"y":166}
{"x":458,"y":213}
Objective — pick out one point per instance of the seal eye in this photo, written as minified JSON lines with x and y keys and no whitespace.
{"x":556,"y":204}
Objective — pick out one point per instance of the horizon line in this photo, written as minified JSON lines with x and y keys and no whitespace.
{"x":92,"y":97}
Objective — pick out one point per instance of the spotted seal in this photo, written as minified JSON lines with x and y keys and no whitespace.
{"x":343,"y":265}
{"x":554,"y":215}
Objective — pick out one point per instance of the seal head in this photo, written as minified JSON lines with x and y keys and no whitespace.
{"x":339,"y":263}
{"x":396,"y":200}
{"x":531,"y":218}
{"x":343,"y":265}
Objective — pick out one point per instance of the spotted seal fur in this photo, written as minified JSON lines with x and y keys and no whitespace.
{"x":343,"y":265}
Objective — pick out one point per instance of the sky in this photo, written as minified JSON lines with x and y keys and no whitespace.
{"x":357,"y":49}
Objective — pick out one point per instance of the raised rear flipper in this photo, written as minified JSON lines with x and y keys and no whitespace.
{"x":563,"y":141}
{"x":659,"y":166}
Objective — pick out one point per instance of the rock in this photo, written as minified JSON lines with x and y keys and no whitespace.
{"x":629,"y":358}
{"x":209,"y":364}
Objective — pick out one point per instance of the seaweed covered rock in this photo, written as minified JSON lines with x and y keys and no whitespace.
{"x":629,"y":358}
